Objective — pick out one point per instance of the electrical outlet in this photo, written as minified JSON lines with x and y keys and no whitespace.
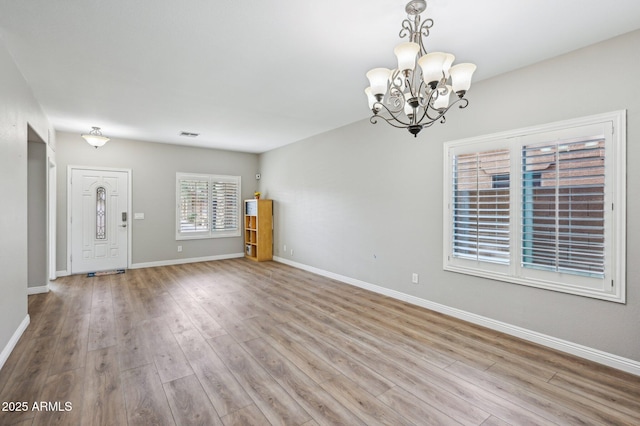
{"x":179,"y":249}
{"x":414,"y":278}
{"x":291,"y":252}
{"x":285,"y":248}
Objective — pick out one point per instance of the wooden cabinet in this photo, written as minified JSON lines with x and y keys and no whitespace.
{"x":258,"y":229}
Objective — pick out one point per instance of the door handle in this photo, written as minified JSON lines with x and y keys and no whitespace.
{"x":124,"y":225}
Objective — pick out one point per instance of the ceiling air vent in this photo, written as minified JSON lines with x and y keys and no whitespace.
{"x":189,"y":134}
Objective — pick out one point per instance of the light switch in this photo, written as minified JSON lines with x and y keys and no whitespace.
{"x":138,"y":216}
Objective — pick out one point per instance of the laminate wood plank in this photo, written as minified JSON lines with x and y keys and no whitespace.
{"x":189,"y":403}
{"x":362,"y":375}
{"x":28,"y":377}
{"x":74,"y":293}
{"x":167,"y":355}
{"x":250,"y":415}
{"x":132,"y":349}
{"x":124,"y":300}
{"x":161,"y":304}
{"x":14,"y":359}
{"x":178,"y":321}
{"x":102,"y":329}
{"x":229,"y":321}
{"x":494,"y":421}
{"x":24,"y":423}
{"x":390,"y":362}
{"x":65,"y":391}
{"x":628,"y":403}
{"x":588,"y":408}
{"x":414,"y":409}
{"x":206,"y":325}
{"x":376,"y":335}
{"x":276,"y":309}
{"x":36,"y":302}
{"x":364,"y":405}
{"x":261,"y":305}
{"x":145,"y":397}
{"x":465,"y":349}
{"x":565,"y":362}
{"x":416,"y":335}
{"x":222,"y":341}
{"x":428,"y":348}
{"x":220,"y":385}
{"x":526,"y":397}
{"x":315,"y":400}
{"x":311,"y":364}
{"x":274,"y":402}
{"x":479,"y":397}
{"x":101,"y":295}
{"x":239,"y":303}
{"x":103,"y":401}
{"x":174,"y":282}
{"x":485,"y":339}
{"x":50,"y":319}
{"x":71,"y":350}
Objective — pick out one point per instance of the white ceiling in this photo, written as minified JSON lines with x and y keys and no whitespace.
{"x":254,"y":75}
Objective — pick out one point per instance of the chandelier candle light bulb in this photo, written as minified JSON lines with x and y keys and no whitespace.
{"x":417,"y":93}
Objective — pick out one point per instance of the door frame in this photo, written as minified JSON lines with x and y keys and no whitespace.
{"x":69,"y":199}
{"x":52,"y":170}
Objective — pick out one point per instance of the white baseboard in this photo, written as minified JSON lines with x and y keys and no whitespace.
{"x":38,"y":290}
{"x":4,"y":355}
{"x":62,"y":274}
{"x":183,"y":261}
{"x":601,"y":357}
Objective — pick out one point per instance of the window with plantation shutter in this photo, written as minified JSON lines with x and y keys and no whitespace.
{"x":208,"y":206}
{"x":563,"y":206}
{"x":480,"y":207}
{"x":225,"y":199}
{"x":543,"y":206}
{"x":193,"y":205}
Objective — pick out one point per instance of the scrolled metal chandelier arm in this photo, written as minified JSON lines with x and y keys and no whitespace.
{"x":417,"y":93}
{"x":393,"y":116}
{"x":416,"y":31}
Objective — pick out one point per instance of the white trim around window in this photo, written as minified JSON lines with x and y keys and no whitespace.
{"x":543,"y":206}
{"x":207,"y":206}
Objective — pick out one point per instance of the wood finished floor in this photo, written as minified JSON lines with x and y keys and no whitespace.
{"x":234,"y":342}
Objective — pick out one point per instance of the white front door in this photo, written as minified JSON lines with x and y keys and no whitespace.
{"x":99,"y":220}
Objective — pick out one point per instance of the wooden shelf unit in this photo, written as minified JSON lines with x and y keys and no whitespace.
{"x":258,"y":229}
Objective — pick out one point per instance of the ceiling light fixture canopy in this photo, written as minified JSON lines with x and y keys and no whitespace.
{"x":417,"y":93}
{"x":95,"y":138}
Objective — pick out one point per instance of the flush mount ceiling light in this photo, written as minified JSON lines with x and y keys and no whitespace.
{"x":414,"y":96}
{"x":95,"y":137}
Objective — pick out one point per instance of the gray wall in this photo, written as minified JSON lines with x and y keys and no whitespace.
{"x":153,"y":170}
{"x":365,"y":201}
{"x":18,"y":109}
{"x":37,"y":167}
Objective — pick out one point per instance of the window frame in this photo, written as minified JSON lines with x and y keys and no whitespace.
{"x":612,"y":286}
{"x":210,"y":232}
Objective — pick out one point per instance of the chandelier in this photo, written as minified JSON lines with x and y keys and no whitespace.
{"x":95,"y":137}
{"x":414,"y":96}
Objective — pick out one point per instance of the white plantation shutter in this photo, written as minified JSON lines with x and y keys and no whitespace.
{"x":224,"y":205}
{"x":208,"y":206}
{"x":563,"y":213}
{"x":193,"y":205}
{"x":542,"y":206}
{"x":481,"y":206}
